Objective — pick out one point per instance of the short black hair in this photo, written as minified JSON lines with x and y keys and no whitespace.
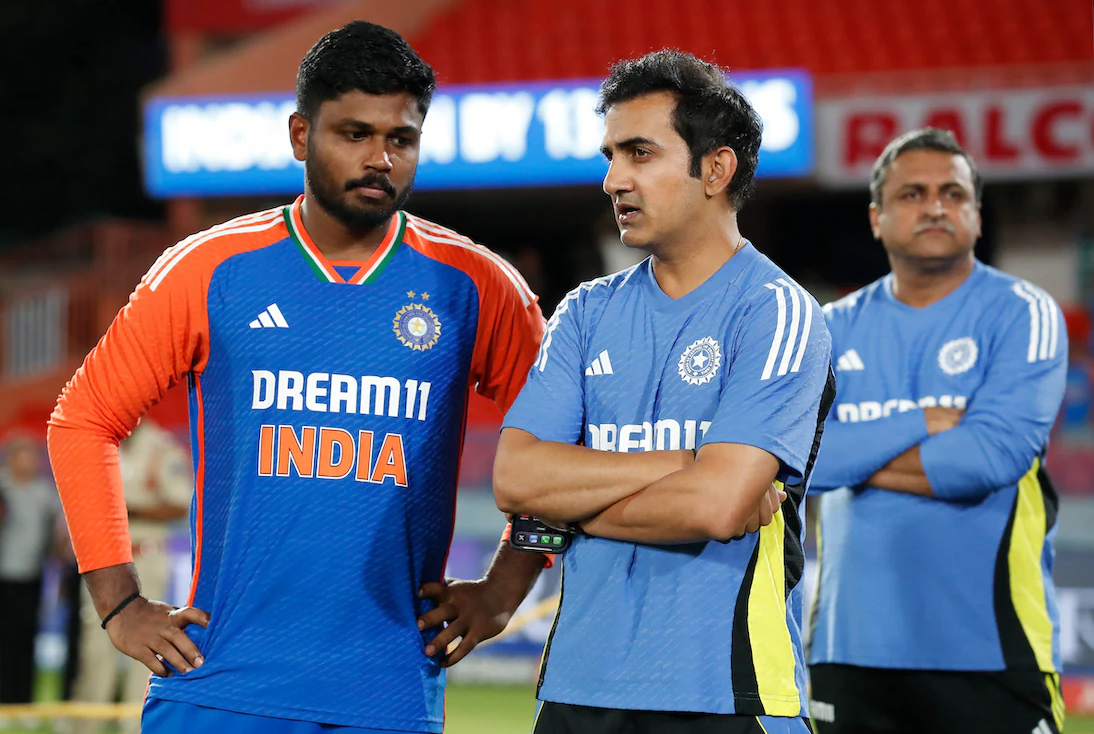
{"x":709,"y":111}
{"x":925,"y":138}
{"x":364,"y":57}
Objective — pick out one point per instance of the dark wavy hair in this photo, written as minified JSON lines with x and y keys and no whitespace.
{"x":365,"y":57}
{"x":709,"y":111}
{"x":926,"y":138}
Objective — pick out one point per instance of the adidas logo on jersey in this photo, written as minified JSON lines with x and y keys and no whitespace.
{"x":849,"y":361}
{"x":1042,"y":728}
{"x":271,"y":318}
{"x":601,"y":365}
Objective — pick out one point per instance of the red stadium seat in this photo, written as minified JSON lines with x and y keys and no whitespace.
{"x":498,"y":40}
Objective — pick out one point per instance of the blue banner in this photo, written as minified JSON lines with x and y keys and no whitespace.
{"x":483,"y":136}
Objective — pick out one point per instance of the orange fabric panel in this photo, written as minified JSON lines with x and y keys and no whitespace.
{"x":160,"y":336}
{"x":510,"y":321}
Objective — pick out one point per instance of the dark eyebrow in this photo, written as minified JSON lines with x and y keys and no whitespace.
{"x":359,"y":124}
{"x":953,"y":185}
{"x":915,"y":186}
{"x":630,"y":144}
{"x":368,"y":127}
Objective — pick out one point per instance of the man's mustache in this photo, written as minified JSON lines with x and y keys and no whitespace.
{"x":935,"y":224}
{"x":374,"y":181}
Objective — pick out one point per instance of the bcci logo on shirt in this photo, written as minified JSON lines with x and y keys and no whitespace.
{"x":700,"y":362}
{"x":417,"y":327}
{"x":958,"y":356}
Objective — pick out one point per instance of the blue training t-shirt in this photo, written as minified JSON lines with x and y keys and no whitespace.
{"x":744,"y":358}
{"x":962,"y":580}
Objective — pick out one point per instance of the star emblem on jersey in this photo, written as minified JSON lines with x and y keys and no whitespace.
{"x":700,"y":362}
{"x":417,"y":327}
{"x":958,"y":356}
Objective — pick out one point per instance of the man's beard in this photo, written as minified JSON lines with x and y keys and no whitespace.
{"x":359,"y":220}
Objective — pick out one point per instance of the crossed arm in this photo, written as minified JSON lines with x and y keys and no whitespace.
{"x":973,"y":454}
{"x":666,"y":497}
{"x":905,"y":473}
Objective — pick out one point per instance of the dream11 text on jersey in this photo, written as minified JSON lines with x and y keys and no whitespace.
{"x":329,"y":452}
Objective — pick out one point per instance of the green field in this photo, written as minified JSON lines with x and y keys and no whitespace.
{"x":509,"y":710}
{"x":474,"y":709}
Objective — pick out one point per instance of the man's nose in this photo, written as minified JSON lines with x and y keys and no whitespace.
{"x":616,"y":180}
{"x":378,"y":158}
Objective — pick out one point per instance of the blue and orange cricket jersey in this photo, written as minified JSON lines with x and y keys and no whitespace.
{"x":327,"y":406}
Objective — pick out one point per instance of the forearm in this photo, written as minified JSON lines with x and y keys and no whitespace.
{"x":158,"y":513}
{"x":110,"y":586}
{"x":569,"y":483}
{"x":852,"y":452}
{"x":903,"y":474}
{"x":896,"y":481}
{"x":654,"y":515}
{"x":709,"y":501}
{"x":975,"y":459}
{"x":512,"y":574}
{"x":908,"y":462}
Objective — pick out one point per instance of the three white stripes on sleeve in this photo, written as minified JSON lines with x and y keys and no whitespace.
{"x":801,"y":321}
{"x":1044,"y":322}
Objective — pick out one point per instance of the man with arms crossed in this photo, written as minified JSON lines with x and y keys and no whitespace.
{"x":695,"y":382}
{"x":328,"y":347}
{"x":936,"y":609}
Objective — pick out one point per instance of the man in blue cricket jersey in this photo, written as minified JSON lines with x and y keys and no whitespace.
{"x":936,"y":610}
{"x":669,"y":408}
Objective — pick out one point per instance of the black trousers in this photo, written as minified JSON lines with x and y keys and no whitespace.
{"x":19,"y":604}
{"x":847,"y":699}
{"x":564,"y":718}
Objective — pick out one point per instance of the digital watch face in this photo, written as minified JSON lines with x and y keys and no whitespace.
{"x":529,"y":534}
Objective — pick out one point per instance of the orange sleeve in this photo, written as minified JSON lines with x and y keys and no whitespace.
{"x":510,"y":328}
{"x":158,"y":337}
{"x":510,"y":322}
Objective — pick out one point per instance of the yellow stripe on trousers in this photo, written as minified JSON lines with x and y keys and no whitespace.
{"x":1027,"y":583}
{"x":772,"y":650}
{"x":1052,"y":681}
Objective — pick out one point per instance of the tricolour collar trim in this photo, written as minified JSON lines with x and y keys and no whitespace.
{"x":319,"y":264}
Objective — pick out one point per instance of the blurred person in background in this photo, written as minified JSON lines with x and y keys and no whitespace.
{"x":70,"y":588}
{"x":668,"y":405}
{"x":26,"y":533}
{"x":158,"y":483}
{"x":328,"y":347}
{"x":935,"y":608}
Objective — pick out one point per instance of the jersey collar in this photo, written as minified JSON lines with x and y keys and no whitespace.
{"x":715,"y":285}
{"x":369,"y":271}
